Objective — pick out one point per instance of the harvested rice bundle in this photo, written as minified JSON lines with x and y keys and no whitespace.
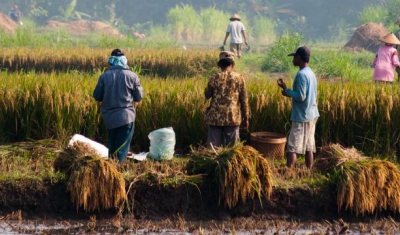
{"x":241,"y":172}
{"x":69,"y":155}
{"x":368,"y":186}
{"x":96,"y":184}
{"x":333,"y":155}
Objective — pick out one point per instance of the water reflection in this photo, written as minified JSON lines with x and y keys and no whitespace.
{"x":276,"y":227}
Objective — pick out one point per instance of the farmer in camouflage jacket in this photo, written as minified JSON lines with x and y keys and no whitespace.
{"x":229,"y":106}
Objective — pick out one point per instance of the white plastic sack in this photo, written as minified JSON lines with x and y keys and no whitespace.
{"x":101,"y":149}
{"x":162,"y":144}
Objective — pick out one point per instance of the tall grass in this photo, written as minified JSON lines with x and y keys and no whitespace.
{"x":185,"y":22}
{"x":151,"y":61}
{"x":334,"y":64}
{"x":376,"y":13}
{"x":34,"y":37}
{"x":214,"y":24}
{"x":263,"y":30}
{"x":40,"y":106}
{"x":342,"y":65}
{"x":276,"y":59}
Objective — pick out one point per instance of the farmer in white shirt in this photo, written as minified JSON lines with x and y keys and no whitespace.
{"x":236,"y":30}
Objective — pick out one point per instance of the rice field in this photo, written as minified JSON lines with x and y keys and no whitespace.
{"x":152,"y":62}
{"x":57,"y":105}
{"x":55,"y":102}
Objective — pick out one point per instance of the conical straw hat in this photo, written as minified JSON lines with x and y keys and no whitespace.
{"x":390,"y":39}
{"x":235,"y":16}
{"x":397,"y":21}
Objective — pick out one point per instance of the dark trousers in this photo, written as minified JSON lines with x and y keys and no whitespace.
{"x":119,"y":141}
{"x":221,"y":136}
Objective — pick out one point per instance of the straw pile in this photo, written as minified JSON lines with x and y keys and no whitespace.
{"x":94,"y":183}
{"x":70,"y":154}
{"x":368,"y":186}
{"x":364,"y":185}
{"x":333,"y":155}
{"x":241,"y":172}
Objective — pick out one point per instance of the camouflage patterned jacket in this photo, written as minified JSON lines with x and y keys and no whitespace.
{"x":229,"y":104}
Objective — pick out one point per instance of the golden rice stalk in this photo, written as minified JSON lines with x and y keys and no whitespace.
{"x":70,"y":154}
{"x":241,"y":172}
{"x":369,"y":186}
{"x":333,"y":155}
{"x":96,"y":184}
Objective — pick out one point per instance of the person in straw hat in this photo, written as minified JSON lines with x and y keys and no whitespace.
{"x":386,"y":60}
{"x":236,"y":30}
{"x":229,"y":107}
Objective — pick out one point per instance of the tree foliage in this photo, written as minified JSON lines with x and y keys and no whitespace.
{"x":315,"y":19}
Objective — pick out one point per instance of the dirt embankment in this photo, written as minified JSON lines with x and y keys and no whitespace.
{"x":7,"y":24}
{"x":38,"y":200}
{"x":75,"y":28}
{"x":83,"y":27}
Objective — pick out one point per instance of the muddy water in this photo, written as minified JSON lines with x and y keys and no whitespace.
{"x":179,"y":226}
{"x":384,"y":226}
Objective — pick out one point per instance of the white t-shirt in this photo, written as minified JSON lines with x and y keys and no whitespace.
{"x":235,"y":30}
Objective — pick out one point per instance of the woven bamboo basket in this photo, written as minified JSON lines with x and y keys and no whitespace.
{"x":269,"y":144}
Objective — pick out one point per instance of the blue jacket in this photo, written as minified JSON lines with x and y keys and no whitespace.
{"x":304,"y":96}
{"x":117,"y":89}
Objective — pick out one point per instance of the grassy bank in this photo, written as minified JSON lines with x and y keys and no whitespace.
{"x":202,"y":185}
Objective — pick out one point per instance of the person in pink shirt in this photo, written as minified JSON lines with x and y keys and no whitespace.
{"x":386,"y":59}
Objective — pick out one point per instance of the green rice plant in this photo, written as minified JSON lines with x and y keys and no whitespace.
{"x":276,"y":59}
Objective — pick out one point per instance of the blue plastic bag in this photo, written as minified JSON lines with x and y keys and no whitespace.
{"x":162,"y":144}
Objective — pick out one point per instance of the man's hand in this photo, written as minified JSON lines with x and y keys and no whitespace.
{"x":281,"y":83}
{"x":284,"y":93}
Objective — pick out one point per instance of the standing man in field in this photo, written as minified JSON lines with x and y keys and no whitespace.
{"x":236,"y":30}
{"x":305,"y":113}
{"x":15,"y":15}
{"x":117,"y":89}
{"x":229,"y":107}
